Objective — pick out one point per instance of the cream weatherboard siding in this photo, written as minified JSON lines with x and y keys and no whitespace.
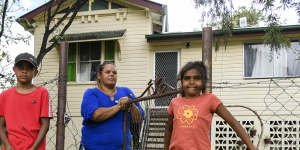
{"x":228,"y":67}
{"x":135,"y":65}
{"x":132,"y":66}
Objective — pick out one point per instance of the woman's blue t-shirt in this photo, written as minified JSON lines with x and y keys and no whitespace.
{"x":108,"y":134}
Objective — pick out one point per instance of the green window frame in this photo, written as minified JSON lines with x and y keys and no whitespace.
{"x":109,"y":51}
{"x":72,"y":61}
{"x":84,"y":57}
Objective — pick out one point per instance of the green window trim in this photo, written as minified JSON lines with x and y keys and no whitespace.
{"x":109,"y":54}
{"x":72,"y":62}
{"x":74,"y":54}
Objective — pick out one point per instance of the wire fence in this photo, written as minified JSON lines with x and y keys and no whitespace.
{"x":276,"y":101}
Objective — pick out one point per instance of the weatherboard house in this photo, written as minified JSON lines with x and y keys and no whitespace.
{"x":133,"y":34}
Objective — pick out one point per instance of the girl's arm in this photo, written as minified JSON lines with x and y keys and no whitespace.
{"x":168,"y":132}
{"x":235,"y":125}
{"x":45,"y":122}
{"x":3,"y":136}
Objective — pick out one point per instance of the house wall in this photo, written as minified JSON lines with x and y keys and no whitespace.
{"x":134,"y":51}
{"x":270,"y":99}
{"x":132,"y":66}
{"x":136,"y":64}
{"x":227,"y":65}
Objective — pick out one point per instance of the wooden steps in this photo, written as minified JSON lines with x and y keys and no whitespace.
{"x":155,"y":129}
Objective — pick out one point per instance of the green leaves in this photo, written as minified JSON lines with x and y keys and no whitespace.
{"x":273,"y":37}
{"x":222,"y":15}
{"x":253,"y":16}
{"x":7,"y":36}
{"x":6,"y":75}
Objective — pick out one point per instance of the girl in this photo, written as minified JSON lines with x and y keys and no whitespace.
{"x":190,"y":115}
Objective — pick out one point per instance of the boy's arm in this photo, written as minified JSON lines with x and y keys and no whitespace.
{"x":3,"y":136}
{"x":168,"y":132}
{"x":45,"y":122}
{"x":235,"y":125}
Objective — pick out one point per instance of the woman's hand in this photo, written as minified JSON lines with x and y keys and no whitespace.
{"x":123,"y":103}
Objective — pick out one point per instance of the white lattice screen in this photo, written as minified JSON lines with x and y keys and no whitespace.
{"x":284,"y":134}
{"x":224,"y":138}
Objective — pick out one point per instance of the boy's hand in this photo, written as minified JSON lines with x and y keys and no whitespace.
{"x":9,"y":147}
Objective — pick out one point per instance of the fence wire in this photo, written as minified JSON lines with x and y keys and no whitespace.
{"x":277,"y":104}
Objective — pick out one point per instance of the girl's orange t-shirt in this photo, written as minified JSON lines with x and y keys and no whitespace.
{"x":192,"y":121}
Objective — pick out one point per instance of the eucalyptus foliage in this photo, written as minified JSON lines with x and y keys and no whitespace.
{"x":223,"y":11}
{"x":253,"y":17}
{"x":7,"y":37}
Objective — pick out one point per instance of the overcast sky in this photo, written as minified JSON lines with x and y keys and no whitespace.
{"x":182,"y":15}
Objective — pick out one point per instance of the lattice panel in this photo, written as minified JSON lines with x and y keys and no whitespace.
{"x":224,"y":138}
{"x":284,"y":135}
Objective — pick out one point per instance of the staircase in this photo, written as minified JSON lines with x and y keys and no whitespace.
{"x":154,"y":130}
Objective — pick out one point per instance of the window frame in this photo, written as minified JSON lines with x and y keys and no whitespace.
{"x":102,"y":58}
{"x":267,"y":77}
{"x":110,"y":6}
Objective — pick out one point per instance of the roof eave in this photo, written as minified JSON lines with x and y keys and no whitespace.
{"x":30,"y":15}
{"x":292,"y":29}
{"x":149,"y":4}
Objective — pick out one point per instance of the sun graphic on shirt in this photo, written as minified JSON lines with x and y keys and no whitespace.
{"x":187,"y":114}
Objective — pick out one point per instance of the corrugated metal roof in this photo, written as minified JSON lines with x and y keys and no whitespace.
{"x":95,"y":35}
{"x":198,"y":35}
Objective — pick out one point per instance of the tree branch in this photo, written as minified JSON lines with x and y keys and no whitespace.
{"x":3,"y":18}
{"x":61,"y":20}
{"x":44,"y":50}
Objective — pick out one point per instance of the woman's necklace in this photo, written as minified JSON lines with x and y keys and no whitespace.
{"x":110,"y":93}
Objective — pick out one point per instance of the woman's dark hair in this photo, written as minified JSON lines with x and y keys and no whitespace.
{"x":200,"y":67}
{"x":101,"y":66}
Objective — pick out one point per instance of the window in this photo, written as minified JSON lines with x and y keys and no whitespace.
{"x":97,"y":5}
{"x":261,"y":62}
{"x":100,"y":5}
{"x":84,"y":57}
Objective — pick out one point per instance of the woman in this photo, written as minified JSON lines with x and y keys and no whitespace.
{"x":102,"y":109}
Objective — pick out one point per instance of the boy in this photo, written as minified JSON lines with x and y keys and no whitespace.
{"x":25,"y":109}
